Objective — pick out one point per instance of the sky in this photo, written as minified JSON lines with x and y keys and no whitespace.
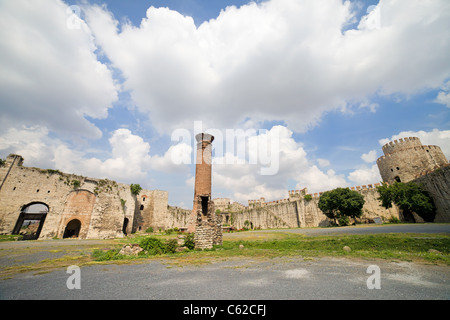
{"x":298,"y":93}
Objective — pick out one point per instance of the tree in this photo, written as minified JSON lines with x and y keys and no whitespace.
{"x":135,"y":189}
{"x":340,"y":203}
{"x":409,"y":197}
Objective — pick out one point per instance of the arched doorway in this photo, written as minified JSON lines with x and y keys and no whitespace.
{"x":125,"y":225}
{"x":72,"y":229}
{"x":31,"y":220}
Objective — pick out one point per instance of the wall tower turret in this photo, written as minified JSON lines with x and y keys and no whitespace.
{"x":406,"y":159}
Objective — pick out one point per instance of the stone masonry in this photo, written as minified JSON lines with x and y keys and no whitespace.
{"x":406,"y":159}
{"x":91,"y":208}
{"x":70,"y":205}
{"x":207,"y":228}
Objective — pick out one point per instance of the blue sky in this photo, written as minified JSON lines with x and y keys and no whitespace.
{"x":101,"y":93}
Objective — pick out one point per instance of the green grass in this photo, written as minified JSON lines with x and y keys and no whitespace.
{"x":403,"y":247}
{"x":10,"y":237}
{"x":267,"y":245}
{"x":409,"y":247}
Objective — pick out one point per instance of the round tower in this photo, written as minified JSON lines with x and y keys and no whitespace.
{"x":406,"y":159}
{"x":202,"y":188}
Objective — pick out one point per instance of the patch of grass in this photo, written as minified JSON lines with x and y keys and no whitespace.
{"x":386,"y":246}
{"x":43,"y":266}
{"x":267,"y":245}
{"x":10,"y":237}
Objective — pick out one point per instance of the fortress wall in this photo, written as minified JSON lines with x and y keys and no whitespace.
{"x":129,"y":207}
{"x":96,"y":203}
{"x":28,"y":185}
{"x":306,"y":213}
{"x":437,"y":183}
{"x":372,"y":207}
{"x":153,"y":211}
{"x":406,"y":158}
{"x":408,"y":163}
{"x":177,"y":217}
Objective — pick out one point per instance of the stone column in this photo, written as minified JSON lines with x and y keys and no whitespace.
{"x":207,"y":228}
{"x":202,"y":175}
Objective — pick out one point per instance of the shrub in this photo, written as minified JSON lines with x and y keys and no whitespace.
{"x":343,"y":221}
{"x":171,"y":246}
{"x":76,"y":184}
{"x":135,"y":189}
{"x":393,"y":219}
{"x":307,"y":197}
{"x":409,"y":197}
{"x":149,"y":230}
{"x":153,"y":245}
{"x":189,"y":241}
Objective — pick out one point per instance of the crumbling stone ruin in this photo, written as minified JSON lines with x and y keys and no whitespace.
{"x":45,"y":204}
{"x":204,"y":223}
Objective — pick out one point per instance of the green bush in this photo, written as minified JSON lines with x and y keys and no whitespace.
{"x":153,"y":246}
{"x":189,"y":241}
{"x":149,"y":230}
{"x":307,"y":197}
{"x":343,"y":221}
{"x":135,"y":189}
{"x":393,"y":219}
{"x":76,"y":184}
{"x":171,"y":246}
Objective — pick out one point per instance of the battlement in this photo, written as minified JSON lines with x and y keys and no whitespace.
{"x":401,"y":144}
{"x":298,"y":193}
{"x":428,"y":171}
{"x":366,"y":187}
{"x":257,"y":203}
{"x":420,"y":148}
{"x":294,"y":195}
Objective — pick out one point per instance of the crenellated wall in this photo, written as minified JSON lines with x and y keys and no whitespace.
{"x":296,"y":211}
{"x":404,"y":159}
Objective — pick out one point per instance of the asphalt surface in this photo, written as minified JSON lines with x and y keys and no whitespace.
{"x":240,"y":278}
{"x":371,"y":229}
{"x":278,"y":279}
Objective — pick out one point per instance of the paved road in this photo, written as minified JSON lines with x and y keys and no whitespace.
{"x":373,"y":229}
{"x":237,"y":278}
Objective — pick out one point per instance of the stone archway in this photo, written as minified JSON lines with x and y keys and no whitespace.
{"x":72,"y":229}
{"x":30,"y":221}
{"x":79,"y":206}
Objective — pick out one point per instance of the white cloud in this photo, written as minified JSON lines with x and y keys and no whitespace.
{"x":369,"y":157}
{"x":316,"y":180}
{"x":129,"y":160}
{"x":245,"y":181}
{"x":175,"y":160}
{"x":50,"y":74}
{"x":30,"y":142}
{"x":444,"y":95}
{"x":277,"y":60}
{"x":365,"y":175}
{"x":323,"y":162}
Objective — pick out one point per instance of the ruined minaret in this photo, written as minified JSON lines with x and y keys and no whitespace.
{"x":203,"y":222}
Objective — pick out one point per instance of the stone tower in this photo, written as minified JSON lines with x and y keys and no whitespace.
{"x":406,"y":159}
{"x":207,"y":228}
